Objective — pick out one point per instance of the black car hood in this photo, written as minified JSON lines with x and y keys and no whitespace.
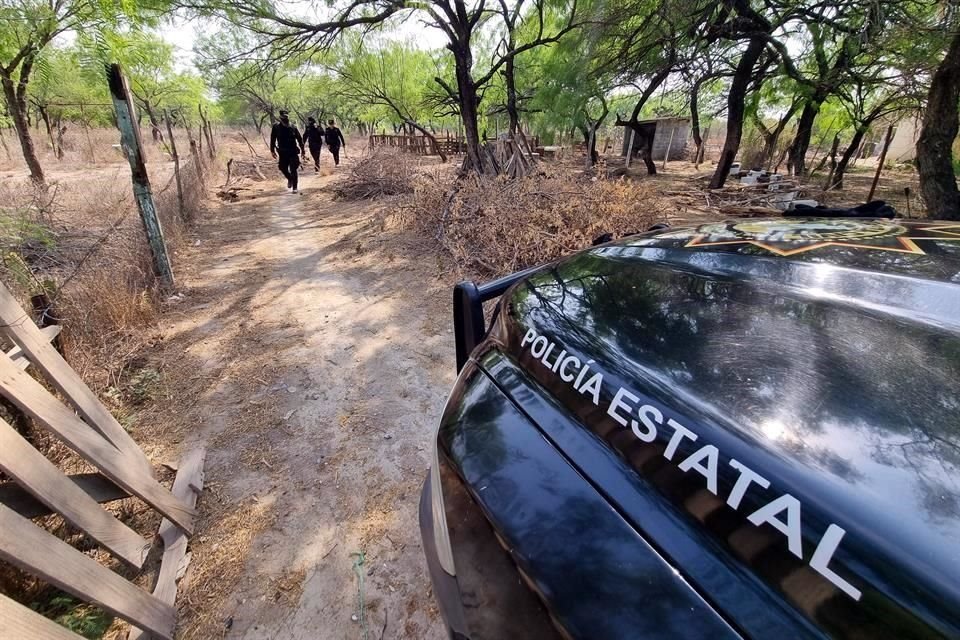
{"x":822,"y":355}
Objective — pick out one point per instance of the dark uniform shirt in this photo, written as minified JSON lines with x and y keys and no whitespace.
{"x":334,"y":137}
{"x":285,"y":138}
{"x":313,"y":136}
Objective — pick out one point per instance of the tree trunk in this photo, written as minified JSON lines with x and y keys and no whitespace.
{"x":17,"y":107}
{"x":831,"y":157}
{"x":509,"y":79}
{"x":46,"y":121}
{"x":467,"y":94}
{"x":60,"y":131}
{"x":3,"y":143}
{"x":772,"y":137}
{"x":176,"y":166}
{"x":695,"y":121}
{"x":736,"y":106}
{"x":797,"y":156}
{"x":589,"y":133}
{"x":938,"y":183}
{"x":155,"y":131}
{"x":836,"y":180}
{"x":646,"y":144}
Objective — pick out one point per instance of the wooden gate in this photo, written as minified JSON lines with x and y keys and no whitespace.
{"x":38,"y":488}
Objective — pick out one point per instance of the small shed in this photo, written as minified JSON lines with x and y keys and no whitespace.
{"x":670,"y":132}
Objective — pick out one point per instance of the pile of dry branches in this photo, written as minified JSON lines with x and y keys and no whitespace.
{"x":494,"y":226}
{"x":740,"y":200}
{"x":383,"y":172}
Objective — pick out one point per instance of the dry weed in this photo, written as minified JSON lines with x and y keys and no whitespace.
{"x":228,"y":534}
{"x":494,"y":226}
{"x":382,"y":172}
{"x":81,"y":242}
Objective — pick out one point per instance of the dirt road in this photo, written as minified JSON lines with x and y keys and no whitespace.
{"x":312,"y":358}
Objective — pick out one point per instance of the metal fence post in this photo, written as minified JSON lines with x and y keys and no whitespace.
{"x":133,"y":148}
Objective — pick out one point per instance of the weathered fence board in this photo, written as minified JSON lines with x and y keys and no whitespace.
{"x":21,"y":329}
{"x":29,"y":467}
{"x":17,"y":621}
{"x":186,"y":486}
{"x":20,"y":358}
{"x":94,"y":485}
{"x":34,"y":550}
{"x":34,"y":400}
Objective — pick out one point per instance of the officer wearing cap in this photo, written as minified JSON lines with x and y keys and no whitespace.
{"x":313,"y":138}
{"x":287,"y":146}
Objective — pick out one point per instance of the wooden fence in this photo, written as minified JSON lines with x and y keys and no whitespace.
{"x":38,"y":488}
{"x":418,"y":145}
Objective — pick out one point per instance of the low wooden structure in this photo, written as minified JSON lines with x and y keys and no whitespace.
{"x":37,"y":487}
{"x":418,"y":145}
{"x":668,"y":139}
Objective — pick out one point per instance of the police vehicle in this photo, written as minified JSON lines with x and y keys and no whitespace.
{"x":748,"y":429}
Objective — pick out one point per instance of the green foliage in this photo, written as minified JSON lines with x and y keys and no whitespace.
{"x":81,"y":618}
{"x":389,"y":81}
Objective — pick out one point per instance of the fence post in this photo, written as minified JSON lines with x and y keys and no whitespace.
{"x":205,"y":130}
{"x":176,"y":166}
{"x":630,"y":147}
{"x":883,"y":157}
{"x":133,"y":148}
{"x":194,"y":153}
{"x":666,"y":156}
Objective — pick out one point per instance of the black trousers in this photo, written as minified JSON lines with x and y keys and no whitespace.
{"x":335,"y":150}
{"x":315,"y":152}
{"x":288,"y":163}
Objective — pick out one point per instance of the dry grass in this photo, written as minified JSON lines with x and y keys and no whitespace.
{"x":86,"y":147}
{"x":228,"y":534}
{"x":381,"y":172}
{"x":81,"y":243}
{"x":494,"y":226}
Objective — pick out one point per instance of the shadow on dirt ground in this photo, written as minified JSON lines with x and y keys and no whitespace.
{"x":312,"y":359}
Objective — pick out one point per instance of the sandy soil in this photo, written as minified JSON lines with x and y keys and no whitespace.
{"x":312,"y":359}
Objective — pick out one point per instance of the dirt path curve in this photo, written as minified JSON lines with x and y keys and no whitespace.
{"x":316,"y":362}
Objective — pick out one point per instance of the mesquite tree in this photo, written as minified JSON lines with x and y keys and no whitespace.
{"x":394,"y":76}
{"x":938,"y":182}
{"x":27,"y":29}
{"x":459,"y":20}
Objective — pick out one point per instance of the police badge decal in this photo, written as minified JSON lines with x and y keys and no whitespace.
{"x":785,"y":237}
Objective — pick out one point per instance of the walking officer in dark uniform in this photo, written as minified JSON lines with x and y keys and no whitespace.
{"x":334,"y":139}
{"x":313,"y":140}
{"x":286,"y":143}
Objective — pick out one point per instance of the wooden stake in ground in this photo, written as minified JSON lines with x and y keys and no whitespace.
{"x":130,"y":139}
{"x":883,"y":157}
{"x":630,"y":147}
{"x":176,"y":166}
{"x":666,"y":156}
{"x":194,"y":153}
{"x":208,"y":132}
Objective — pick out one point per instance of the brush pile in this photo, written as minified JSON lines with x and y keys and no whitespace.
{"x":495,"y":226}
{"x":383,"y":172}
